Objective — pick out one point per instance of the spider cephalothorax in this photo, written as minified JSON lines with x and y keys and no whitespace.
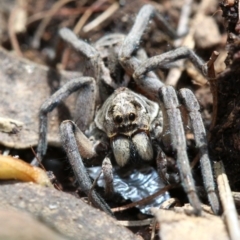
{"x":124,"y":119}
{"x":127,"y":119}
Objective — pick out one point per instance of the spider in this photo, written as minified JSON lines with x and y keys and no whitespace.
{"x":125,"y":122}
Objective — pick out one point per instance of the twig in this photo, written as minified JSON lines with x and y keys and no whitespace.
{"x":87,"y":15}
{"x":171,"y":202}
{"x":78,"y":27}
{"x":45,"y":22}
{"x":63,"y":12}
{"x":145,"y":200}
{"x":197,"y":78}
{"x":39,"y":162}
{"x":50,"y":174}
{"x":12,"y":33}
{"x":229,"y":208}
{"x":236,"y":197}
{"x":210,"y":64}
{"x":93,"y":186}
{"x":102,"y":17}
{"x":137,"y":223}
{"x":188,"y":41}
{"x":195,"y":161}
{"x":154,"y":225}
{"x":232,"y":2}
{"x":213,"y":86}
{"x":175,"y":73}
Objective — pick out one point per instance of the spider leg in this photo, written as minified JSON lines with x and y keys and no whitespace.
{"x":165,"y":164}
{"x":99,"y":70}
{"x":133,"y":39}
{"x":71,"y":140}
{"x":167,"y":58}
{"x":132,"y":42}
{"x":87,"y":85}
{"x":170,"y":101}
{"x":79,"y":45}
{"x":108,"y":176}
{"x":192,"y":106}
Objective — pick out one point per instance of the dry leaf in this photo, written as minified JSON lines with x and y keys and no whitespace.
{"x":8,"y":125}
{"x":14,"y":168}
{"x":24,"y":87}
{"x":177,"y":225}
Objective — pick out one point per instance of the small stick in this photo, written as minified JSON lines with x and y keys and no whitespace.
{"x":102,"y":17}
{"x":46,"y":20}
{"x":50,"y":174}
{"x":63,"y":12}
{"x":145,"y":200}
{"x":236,"y":197}
{"x":12,"y":33}
{"x":210,"y":64}
{"x":154,"y":225}
{"x":107,"y":170}
{"x":195,"y":161}
{"x":137,"y":223}
{"x":175,"y":73}
{"x":213,"y":87}
{"x":229,"y":208}
{"x":39,"y":162}
{"x":88,"y":13}
{"x":93,"y":186}
{"x":171,"y":202}
{"x":78,"y":27}
{"x":232,"y":2}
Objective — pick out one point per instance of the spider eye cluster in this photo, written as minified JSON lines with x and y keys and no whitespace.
{"x":131,"y":116}
{"x":118,"y":119}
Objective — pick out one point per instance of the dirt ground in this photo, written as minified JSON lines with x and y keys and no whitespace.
{"x":35,"y":62}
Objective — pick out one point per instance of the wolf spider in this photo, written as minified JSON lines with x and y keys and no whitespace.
{"x":125,"y":126}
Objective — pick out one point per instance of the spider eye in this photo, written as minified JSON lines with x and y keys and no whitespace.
{"x":131,"y":116}
{"x":118,"y":119}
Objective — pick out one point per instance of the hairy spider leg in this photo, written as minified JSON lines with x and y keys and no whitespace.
{"x":178,"y":143}
{"x":191,"y":104}
{"x":86,"y":84}
{"x":72,"y":138}
{"x":130,"y":46}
